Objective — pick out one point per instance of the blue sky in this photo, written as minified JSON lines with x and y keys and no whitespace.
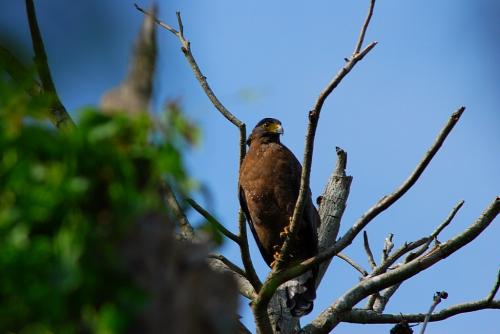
{"x":271,"y":59}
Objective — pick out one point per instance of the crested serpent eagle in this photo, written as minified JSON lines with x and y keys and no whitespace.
{"x":269,"y":185}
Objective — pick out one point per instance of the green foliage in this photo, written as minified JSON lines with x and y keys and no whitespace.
{"x":66,"y":200}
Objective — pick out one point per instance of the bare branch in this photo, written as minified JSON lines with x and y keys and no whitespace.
{"x":18,"y":72}
{"x":368,"y":251}
{"x":245,"y":252}
{"x":494,"y":291}
{"x":436,"y":232}
{"x":438,"y":296}
{"x":186,"y":49}
{"x":187,"y":231}
{"x":362,"y":316}
{"x":362,"y":34}
{"x":269,"y":287}
{"x":381,"y":205}
{"x":388,"y":246}
{"x":228,"y":263}
{"x":309,"y":147}
{"x":384,"y":297}
{"x":407,"y":247}
{"x":328,"y":319}
{"x":352,"y":263}
{"x":211,"y":219}
{"x":59,"y":115}
{"x":332,"y":204}
{"x":202,"y":79}
{"x":246,"y":289}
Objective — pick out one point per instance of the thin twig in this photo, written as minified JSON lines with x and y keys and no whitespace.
{"x":362,"y":34}
{"x":245,"y":287}
{"x":438,"y":296}
{"x":59,"y":115}
{"x":270,"y":286}
{"x":494,"y":291}
{"x":381,"y":205}
{"x":328,"y":319}
{"x":362,"y":316}
{"x":352,"y":263}
{"x":202,"y":79}
{"x":388,"y":246}
{"x":368,"y":251}
{"x":187,"y":231}
{"x":211,"y":219}
{"x":407,"y":247}
{"x":436,"y":232}
{"x":228,"y":263}
{"x":309,"y":147}
{"x":245,"y":253}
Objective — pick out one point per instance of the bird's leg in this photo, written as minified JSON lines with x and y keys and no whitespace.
{"x":286,"y":230}
{"x":276,"y":255}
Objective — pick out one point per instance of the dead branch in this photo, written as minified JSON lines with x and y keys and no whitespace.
{"x":329,"y":318}
{"x":245,"y":287}
{"x":368,"y":251}
{"x":202,"y":79}
{"x":265,"y":294}
{"x":59,"y":115}
{"x":211,"y":219}
{"x":332,"y":204}
{"x":494,"y":291}
{"x":362,"y":34}
{"x":228,"y":263}
{"x":187,"y":231}
{"x":438,"y":296}
{"x":362,"y":316}
{"x":352,"y":263}
{"x":284,"y":275}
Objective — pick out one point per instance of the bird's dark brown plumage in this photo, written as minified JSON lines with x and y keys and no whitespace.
{"x":268,"y":188}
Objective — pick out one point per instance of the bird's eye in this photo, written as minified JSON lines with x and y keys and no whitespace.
{"x":266,"y":124}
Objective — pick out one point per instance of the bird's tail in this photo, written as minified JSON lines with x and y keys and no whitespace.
{"x":301,"y":292}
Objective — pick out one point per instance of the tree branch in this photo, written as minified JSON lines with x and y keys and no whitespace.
{"x":352,"y":263}
{"x":362,"y":316}
{"x":332,"y":204}
{"x":309,"y":147}
{"x":228,"y":263}
{"x":211,"y":219}
{"x":59,"y":115}
{"x":368,"y":251}
{"x":245,"y":287}
{"x":328,"y":319}
{"x":187,"y":231}
{"x":362,"y":34}
{"x":284,"y":275}
{"x":438,"y":296}
{"x":245,"y":252}
{"x":494,"y":291}
{"x":186,"y":50}
{"x":17,"y":71}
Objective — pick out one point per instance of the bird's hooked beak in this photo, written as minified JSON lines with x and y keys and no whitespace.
{"x":277,"y":128}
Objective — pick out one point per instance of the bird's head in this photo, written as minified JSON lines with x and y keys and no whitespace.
{"x":267,"y":130}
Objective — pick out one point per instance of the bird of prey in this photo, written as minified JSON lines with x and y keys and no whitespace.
{"x":269,"y":185}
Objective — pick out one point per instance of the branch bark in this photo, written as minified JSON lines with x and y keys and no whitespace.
{"x":59,"y":115}
{"x":329,"y":319}
{"x":211,"y":219}
{"x":202,"y":79}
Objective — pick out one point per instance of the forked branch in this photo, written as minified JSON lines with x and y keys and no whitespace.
{"x":202,"y":79}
